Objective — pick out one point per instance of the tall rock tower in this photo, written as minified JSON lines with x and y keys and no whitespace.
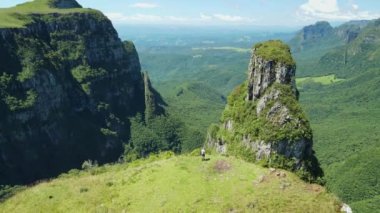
{"x":263,"y":121}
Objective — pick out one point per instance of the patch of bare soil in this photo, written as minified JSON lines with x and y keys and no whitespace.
{"x":222,"y":166}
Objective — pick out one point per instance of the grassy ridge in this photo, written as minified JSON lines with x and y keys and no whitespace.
{"x":175,"y":184}
{"x":19,"y":16}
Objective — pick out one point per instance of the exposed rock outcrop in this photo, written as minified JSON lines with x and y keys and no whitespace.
{"x":349,"y":31}
{"x":263,"y":73}
{"x":263,"y":120}
{"x":317,"y":30}
{"x":154,"y":104}
{"x":308,"y":36}
{"x":64,"y":4}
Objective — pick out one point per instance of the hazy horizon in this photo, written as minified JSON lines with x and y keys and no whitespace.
{"x":266,"y":14}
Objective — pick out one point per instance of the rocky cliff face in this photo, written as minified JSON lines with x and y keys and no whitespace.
{"x":64,"y":4}
{"x":323,"y":35}
{"x":349,"y":31}
{"x":67,"y":87}
{"x":263,"y":121}
{"x":263,"y":74}
{"x":317,"y":31}
{"x":310,"y":35}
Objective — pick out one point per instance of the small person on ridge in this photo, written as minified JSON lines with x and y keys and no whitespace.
{"x":203,"y":153}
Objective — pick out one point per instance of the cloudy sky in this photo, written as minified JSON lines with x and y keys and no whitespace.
{"x":230,"y":12}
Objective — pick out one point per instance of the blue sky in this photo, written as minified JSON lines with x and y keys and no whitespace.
{"x":230,"y":12}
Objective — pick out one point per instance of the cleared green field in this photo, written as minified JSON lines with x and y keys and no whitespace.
{"x":175,"y":184}
{"x":324,"y":80}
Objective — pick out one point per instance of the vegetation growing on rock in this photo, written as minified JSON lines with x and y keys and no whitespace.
{"x":263,"y":121}
{"x":274,"y":50}
{"x":23,"y":14}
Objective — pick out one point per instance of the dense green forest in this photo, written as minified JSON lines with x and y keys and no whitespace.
{"x":345,"y":114}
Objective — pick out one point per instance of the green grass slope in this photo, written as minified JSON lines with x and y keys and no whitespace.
{"x":176,"y":184}
{"x":20,"y":15}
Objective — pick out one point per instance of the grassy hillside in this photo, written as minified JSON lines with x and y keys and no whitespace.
{"x":20,"y":15}
{"x":176,"y":184}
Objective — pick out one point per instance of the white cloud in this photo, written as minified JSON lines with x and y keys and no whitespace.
{"x":144,"y":5}
{"x":355,"y":7}
{"x":228,"y":18}
{"x":320,"y":6}
{"x":330,"y":10}
{"x":205,"y":17}
{"x":121,"y":18}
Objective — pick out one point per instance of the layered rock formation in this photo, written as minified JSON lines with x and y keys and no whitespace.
{"x":67,"y":87}
{"x":263,"y":121}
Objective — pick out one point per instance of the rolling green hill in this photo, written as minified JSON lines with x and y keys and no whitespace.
{"x":22,"y":14}
{"x":175,"y":184}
